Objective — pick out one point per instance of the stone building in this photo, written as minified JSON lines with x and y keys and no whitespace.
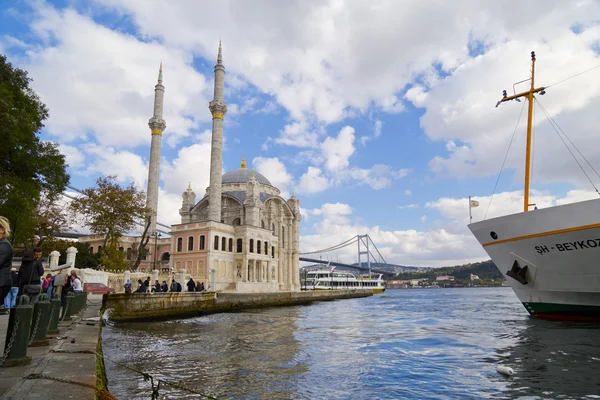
{"x":241,"y":235}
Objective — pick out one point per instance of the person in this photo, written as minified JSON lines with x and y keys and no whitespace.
{"x":128,"y":286}
{"x":141,"y":288}
{"x":173,"y":286}
{"x":6,"y":254}
{"x":147,"y":282}
{"x":164,"y":287}
{"x":67,"y":287}
{"x":46,"y":282}
{"x":191,"y":285}
{"x":76,"y":283}
{"x":11,"y":299}
{"x":30,"y":274}
{"x":50,"y":288}
{"x":156,"y":287}
{"x":202,"y":286}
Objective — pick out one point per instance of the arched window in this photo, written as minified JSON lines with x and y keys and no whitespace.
{"x":91,"y":249}
{"x":258,"y":246}
{"x":179,"y":244}
{"x":266,"y":248}
{"x":274,"y":233}
{"x":129,"y":253}
{"x":202,"y":242}
{"x":191,"y":243}
{"x":236,"y":222}
{"x":121,"y":249}
{"x":262,"y":224}
{"x":231,"y":245}
{"x":283,"y":236}
{"x":273,"y":251}
{"x":251,"y":246}
{"x":216,"y":244}
{"x":99,"y":249}
{"x":224,"y":244}
{"x":239,"y":246}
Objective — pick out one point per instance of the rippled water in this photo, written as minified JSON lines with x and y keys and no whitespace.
{"x":403,"y":344}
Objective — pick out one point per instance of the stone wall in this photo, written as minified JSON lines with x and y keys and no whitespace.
{"x":156,"y":306}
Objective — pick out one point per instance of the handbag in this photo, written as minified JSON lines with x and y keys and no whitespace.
{"x":32,"y":289}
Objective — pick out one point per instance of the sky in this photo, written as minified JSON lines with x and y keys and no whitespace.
{"x":379,"y":115}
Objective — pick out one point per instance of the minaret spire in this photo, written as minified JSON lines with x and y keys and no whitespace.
{"x":218,"y":108}
{"x":157,"y":125}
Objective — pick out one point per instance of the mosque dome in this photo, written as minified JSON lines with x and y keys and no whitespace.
{"x":243,"y":175}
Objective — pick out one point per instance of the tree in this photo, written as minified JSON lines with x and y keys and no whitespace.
{"x":50,"y":216}
{"x":28,"y":165}
{"x":110,"y":210}
{"x":86,"y":259}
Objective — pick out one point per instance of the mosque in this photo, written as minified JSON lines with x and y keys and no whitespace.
{"x":241,"y":236}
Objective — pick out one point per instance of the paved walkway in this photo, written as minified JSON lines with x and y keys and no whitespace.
{"x":71,"y":355}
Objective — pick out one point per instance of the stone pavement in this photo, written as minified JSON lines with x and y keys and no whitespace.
{"x":71,"y":356}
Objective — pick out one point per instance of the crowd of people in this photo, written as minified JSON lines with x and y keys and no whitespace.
{"x":29,"y":279}
{"x":145,"y":287}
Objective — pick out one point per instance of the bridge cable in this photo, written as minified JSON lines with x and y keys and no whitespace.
{"x":332,"y":248}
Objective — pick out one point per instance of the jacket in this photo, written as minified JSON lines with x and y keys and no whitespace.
{"x":31,"y":270}
{"x":6,"y":254}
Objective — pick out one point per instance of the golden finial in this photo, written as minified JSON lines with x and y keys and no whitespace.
{"x":243,"y":162}
{"x":252,"y":174}
{"x":293,"y":193}
{"x":189,"y":185}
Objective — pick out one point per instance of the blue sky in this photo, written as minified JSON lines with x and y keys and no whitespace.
{"x":379,"y":122}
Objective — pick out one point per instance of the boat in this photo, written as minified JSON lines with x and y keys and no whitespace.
{"x":332,"y":280}
{"x":548,"y":256}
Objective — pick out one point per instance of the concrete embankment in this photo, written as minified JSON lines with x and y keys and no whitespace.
{"x":154,"y":306}
{"x":67,"y":368}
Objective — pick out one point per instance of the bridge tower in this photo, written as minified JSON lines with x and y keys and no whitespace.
{"x":364,"y":239}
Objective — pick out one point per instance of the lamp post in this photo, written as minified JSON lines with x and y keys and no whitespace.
{"x":156,"y":236}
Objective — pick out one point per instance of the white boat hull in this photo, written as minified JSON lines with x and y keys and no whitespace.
{"x":560,"y":247}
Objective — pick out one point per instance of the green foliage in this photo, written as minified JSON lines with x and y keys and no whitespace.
{"x":113,"y":259}
{"x":28,"y":166}
{"x":109,"y":209}
{"x":84,"y":258}
{"x":485,"y":269}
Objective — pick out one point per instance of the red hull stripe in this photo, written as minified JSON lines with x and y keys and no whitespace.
{"x":559,"y":317}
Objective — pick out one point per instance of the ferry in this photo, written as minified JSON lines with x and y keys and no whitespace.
{"x":331,"y":280}
{"x":548,"y":256}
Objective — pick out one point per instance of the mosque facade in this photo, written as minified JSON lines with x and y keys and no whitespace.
{"x":240,"y":236}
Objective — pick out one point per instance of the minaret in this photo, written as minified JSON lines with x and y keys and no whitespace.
{"x":157,"y":126}
{"x":218,"y":108}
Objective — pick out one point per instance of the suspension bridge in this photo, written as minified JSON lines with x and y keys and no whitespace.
{"x":367,"y":253}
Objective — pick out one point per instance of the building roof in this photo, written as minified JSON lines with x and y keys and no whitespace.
{"x":241,"y":195}
{"x":243,"y":175}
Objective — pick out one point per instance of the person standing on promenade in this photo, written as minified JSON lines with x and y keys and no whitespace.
{"x":6,"y":254}
{"x":11,"y":298}
{"x":30,"y":273}
{"x":191,"y":285}
{"x":76,"y":282}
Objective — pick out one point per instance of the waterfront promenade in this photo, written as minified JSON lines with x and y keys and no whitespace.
{"x":70,"y":356}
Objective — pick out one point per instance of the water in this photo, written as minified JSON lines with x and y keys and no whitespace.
{"x":403,"y":344}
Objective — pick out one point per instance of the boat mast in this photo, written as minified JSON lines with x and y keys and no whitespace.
{"x":529,"y":94}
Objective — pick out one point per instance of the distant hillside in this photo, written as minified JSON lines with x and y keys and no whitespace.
{"x":395,"y":268}
{"x":484,"y":269}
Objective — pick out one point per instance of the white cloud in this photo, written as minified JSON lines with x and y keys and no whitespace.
{"x":313,"y":181}
{"x":73,"y":156}
{"x":408,"y":192}
{"x":191,"y":166}
{"x":337,"y":151}
{"x":106,"y":91}
{"x":126,"y":165}
{"x":276,"y":172}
